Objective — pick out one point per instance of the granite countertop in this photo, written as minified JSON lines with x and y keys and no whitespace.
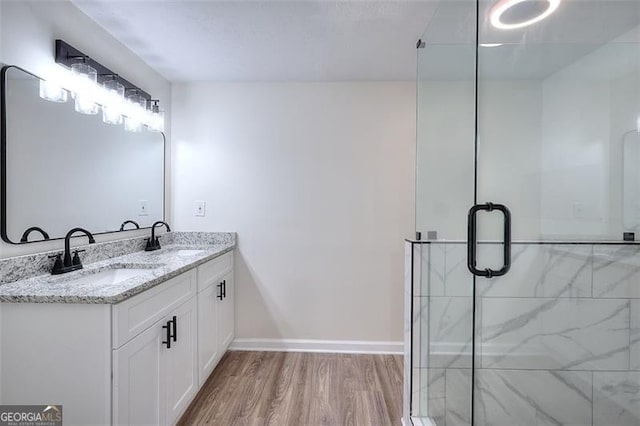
{"x":149,"y":269}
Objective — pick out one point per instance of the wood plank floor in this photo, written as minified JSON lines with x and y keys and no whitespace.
{"x":300,"y":389}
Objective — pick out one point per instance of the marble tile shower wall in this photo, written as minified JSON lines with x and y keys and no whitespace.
{"x":558,"y":337}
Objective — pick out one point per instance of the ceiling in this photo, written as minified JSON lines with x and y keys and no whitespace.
{"x":347,"y":40}
{"x":577,"y":29}
{"x":269,"y":40}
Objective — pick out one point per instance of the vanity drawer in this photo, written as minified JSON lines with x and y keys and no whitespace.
{"x":209,"y":272}
{"x":135,"y":315}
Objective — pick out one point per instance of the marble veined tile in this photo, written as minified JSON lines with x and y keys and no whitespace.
{"x":420,"y":332}
{"x":415,"y":387}
{"x":534,"y":397}
{"x":616,"y":399}
{"x":432,"y":270}
{"x":634,"y":338}
{"x":568,"y":334}
{"x":458,"y":397}
{"x":458,"y":281}
{"x":616,"y":271}
{"x":432,"y":395}
{"x":541,"y":271}
{"x":446,"y":332}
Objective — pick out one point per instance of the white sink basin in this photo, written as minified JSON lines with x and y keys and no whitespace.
{"x":107,"y":277}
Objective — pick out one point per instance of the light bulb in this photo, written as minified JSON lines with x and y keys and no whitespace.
{"x":51,"y":91}
{"x":155,"y":118}
{"x":113,"y":100}
{"x":157,"y":121}
{"x":86,"y":87}
{"x":135,"y":111}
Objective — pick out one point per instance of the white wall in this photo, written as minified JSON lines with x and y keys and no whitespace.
{"x":27,"y":33}
{"x":588,"y":107}
{"x":318,"y":181}
{"x":509,"y":156}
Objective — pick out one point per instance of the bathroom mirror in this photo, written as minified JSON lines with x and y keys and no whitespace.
{"x":631,"y":181}
{"x":62,"y":169}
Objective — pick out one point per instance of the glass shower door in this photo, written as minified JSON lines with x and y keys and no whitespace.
{"x":557,"y":287}
{"x":442,"y":292}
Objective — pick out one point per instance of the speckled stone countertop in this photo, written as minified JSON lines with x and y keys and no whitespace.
{"x":142,"y":270}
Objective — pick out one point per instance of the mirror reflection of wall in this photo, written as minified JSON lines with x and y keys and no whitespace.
{"x":553,"y":107}
{"x":78,"y":170}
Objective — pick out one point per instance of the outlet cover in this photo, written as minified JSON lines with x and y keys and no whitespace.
{"x":200,"y":208}
{"x":143,"y":208}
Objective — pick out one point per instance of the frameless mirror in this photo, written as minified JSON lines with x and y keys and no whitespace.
{"x":62,"y":169}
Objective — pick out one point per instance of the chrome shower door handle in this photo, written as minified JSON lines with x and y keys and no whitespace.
{"x":472,"y":240}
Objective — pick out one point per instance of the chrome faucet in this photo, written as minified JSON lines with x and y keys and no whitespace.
{"x":68,"y":264}
{"x":153,"y":243}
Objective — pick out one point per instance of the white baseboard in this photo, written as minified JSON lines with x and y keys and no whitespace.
{"x":328,"y":346}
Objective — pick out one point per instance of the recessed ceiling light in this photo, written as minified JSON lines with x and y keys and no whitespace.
{"x":499,"y":9}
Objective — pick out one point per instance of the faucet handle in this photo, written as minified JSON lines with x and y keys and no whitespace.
{"x":57,"y":265}
{"x":76,"y":258}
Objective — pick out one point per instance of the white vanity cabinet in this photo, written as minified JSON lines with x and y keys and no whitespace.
{"x":181,"y":366}
{"x":139,"y":382}
{"x":154,"y":374}
{"x":216,"y":322}
{"x":226,"y":313}
{"x":141,"y":361}
{"x":155,"y":371}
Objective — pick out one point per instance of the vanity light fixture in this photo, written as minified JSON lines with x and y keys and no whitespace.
{"x":86,"y":78}
{"x":52,"y":91}
{"x":114,"y":100}
{"x":490,"y":44}
{"x":93,"y":86}
{"x":135,"y":111}
{"x":156,"y":119}
{"x":499,"y":9}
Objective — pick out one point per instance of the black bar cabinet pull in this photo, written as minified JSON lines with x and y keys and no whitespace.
{"x":174,"y":321}
{"x":220,"y":294}
{"x":224,"y":289}
{"x":472,"y":240}
{"x":167,"y":327}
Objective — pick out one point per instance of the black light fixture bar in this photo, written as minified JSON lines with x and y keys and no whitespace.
{"x":67,"y":55}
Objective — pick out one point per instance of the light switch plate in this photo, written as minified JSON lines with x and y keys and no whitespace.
{"x":143,"y":208}
{"x":200,"y":208}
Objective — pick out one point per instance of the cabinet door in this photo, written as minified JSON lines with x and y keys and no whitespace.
{"x":138,"y":381}
{"x":180,"y":361}
{"x":208,"y":353}
{"x":226,"y":314}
